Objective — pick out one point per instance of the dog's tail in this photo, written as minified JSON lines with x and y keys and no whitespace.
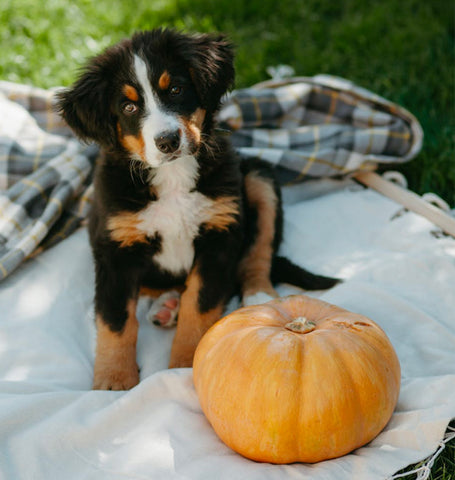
{"x":284,"y":271}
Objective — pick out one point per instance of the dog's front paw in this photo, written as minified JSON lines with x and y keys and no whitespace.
{"x":164,"y":310}
{"x":115,"y":377}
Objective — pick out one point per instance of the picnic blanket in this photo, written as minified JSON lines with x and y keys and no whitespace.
{"x":308,"y":127}
{"x":398,"y":270}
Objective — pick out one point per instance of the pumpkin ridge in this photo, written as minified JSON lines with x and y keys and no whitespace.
{"x":371,"y":375}
{"x":354,"y":400}
{"x":336,"y":411}
{"x":248,"y":398}
{"x":301,"y":394}
{"x":272,"y":423}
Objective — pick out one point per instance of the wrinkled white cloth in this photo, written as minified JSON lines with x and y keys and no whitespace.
{"x":52,"y":426}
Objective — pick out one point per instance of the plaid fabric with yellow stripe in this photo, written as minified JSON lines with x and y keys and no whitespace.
{"x":305,"y":127}
{"x":318,"y":127}
{"x":45,"y":175}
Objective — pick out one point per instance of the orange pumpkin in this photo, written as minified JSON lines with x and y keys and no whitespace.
{"x":296,"y":380}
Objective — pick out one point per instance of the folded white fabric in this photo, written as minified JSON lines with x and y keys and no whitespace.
{"x":52,"y":426}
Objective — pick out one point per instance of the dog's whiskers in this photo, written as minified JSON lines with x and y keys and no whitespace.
{"x":138,"y":169}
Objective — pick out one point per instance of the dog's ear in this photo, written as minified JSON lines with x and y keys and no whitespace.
{"x":211,"y":63}
{"x":86,"y":105}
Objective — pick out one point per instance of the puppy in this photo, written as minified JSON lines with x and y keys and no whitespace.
{"x":174,"y":209}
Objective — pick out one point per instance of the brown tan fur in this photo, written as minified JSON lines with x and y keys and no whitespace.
{"x":192,"y":324}
{"x":123,"y":226}
{"x":130,"y":93}
{"x":115,"y":361}
{"x":193,"y":126}
{"x":123,"y":229}
{"x":164,"y":81}
{"x":223,"y":212}
{"x":133,"y":144}
{"x":254,"y":269}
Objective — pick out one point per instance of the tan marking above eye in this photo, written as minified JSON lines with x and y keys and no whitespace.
{"x":164,"y":81}
{"x":130,"y":93}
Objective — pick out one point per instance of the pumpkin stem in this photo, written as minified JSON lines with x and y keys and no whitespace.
{"x":301,"y":325}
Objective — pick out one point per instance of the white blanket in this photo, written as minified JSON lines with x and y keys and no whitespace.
{"x":52,"y":426}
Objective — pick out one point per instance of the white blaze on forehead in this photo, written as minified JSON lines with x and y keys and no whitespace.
{"x":156,"y":121}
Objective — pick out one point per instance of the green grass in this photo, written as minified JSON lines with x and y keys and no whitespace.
{"x":444,"y":466}
{"x":402,"y":50}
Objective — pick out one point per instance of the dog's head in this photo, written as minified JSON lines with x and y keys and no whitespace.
{"x":153,"y":95}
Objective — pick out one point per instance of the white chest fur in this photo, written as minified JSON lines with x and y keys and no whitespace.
{"x":176,"y":215}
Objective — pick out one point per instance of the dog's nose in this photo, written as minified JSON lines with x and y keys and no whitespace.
{"x":168,"y":142}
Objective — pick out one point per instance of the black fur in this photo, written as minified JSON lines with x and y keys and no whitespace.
{"x":203,"y":64}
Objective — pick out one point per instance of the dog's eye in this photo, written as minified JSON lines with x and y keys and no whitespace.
{"x":175,"y":91}
{"x":129,"y":108}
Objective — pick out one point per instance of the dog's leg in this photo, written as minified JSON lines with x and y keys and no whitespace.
{"x":115,"y":361}
{"x":117,"y":327}
{"x":255,"y":267}
{"x":202,"y":304}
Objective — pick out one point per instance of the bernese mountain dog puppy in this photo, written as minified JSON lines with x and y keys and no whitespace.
{"x":176,"y":215}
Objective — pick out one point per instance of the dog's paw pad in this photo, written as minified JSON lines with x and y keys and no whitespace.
{"x":164,"y":310}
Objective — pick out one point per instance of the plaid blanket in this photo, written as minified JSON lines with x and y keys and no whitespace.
{"x":305,"y":127}
{"x":45,"y":175}
{"x":318,"y":127}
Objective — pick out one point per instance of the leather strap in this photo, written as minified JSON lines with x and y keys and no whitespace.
{"x":408,"y":199}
